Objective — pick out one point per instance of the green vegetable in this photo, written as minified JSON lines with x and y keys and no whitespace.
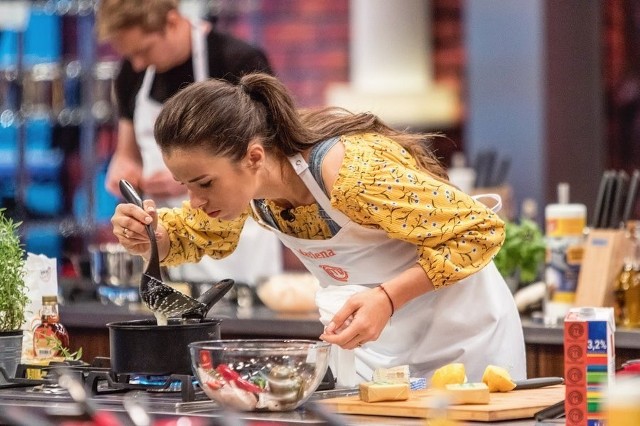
{"x":64,"y":352}
{"x":523,"y":251}
{"x":13,"y":289}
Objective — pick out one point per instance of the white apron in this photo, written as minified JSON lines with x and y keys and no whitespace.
{"x":257,"y":244}
{"x":474,"y":321}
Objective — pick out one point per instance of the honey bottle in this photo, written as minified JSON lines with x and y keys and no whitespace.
{"x":50,"y":336}
{"x":627,"y":284}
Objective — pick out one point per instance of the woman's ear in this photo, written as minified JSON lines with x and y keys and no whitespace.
{"x":255,"y":155}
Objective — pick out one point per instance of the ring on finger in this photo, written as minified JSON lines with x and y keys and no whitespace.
{"x":125,"y":232}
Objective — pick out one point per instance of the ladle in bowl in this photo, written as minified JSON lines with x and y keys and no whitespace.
{"x":163,"y":300}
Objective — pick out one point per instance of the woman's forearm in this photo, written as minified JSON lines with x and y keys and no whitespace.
{"x":405,"y":287}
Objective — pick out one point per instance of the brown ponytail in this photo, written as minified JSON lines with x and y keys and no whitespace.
{"x":223,"y":119}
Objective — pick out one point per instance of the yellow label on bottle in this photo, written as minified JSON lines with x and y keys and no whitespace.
{"x":565,"y":226}
{"x":564,"y":297}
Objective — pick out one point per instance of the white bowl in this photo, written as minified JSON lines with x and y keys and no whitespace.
{"x":289,"y":293}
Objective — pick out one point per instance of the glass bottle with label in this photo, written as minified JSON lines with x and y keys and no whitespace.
{"x":50,"y":335}
{"x":627,"y":285}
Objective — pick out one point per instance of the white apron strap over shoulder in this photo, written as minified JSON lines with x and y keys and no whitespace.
{"x":495,"y":197}
{"x":301,"y":168}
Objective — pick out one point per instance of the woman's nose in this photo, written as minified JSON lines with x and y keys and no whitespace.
{"x":195,"y":201}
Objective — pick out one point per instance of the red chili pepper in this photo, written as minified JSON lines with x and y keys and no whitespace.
{"x":205,"y":359}
{"x":227,"y":373}
{"x":233,"y":377}
{"x":248,"y":386}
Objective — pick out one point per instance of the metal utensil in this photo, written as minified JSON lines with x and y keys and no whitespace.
{"x":210,"y":298}
{"x":538,"y":382}
{"x":162,"y":299}
{"x":135,"y":404}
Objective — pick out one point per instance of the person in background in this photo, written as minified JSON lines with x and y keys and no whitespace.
{"x":163,"y":51}
{"x":404,"y":258}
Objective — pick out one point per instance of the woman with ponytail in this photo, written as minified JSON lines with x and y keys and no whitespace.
{"x":403,"y":257}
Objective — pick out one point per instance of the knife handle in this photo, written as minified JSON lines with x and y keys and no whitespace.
{"x":597,"y":211}
{"x":617,"y":205}
{"x":609,"y":191}
{"x":631,"y":196}
{"x":554,"y":411}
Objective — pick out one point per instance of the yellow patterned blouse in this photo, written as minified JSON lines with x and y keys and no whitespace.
{"x":379,"y":186}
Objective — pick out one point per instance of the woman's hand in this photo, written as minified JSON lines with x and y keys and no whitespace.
{"x":129,"y":226}
{"x":360,"y":320}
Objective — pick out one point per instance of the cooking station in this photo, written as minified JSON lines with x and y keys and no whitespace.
{"x":170,"y":398}
{"x":76,"y":391}
{"x":44,"y":402}
{"x":71,"y":393}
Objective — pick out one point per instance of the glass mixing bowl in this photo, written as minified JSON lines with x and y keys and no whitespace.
{"x":258,"y":374}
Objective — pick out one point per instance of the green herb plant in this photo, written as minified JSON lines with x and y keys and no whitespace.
{"x":13,"y":289}
{"x":522,"y":253}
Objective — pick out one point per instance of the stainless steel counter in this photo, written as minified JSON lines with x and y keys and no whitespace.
{"x":60,"y":407}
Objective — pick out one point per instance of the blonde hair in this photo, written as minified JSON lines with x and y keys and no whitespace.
{"x":116,"y":15}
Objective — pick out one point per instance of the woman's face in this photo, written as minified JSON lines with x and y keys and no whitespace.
{"x":219,"y":187}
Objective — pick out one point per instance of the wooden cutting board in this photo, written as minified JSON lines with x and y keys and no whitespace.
{"x":519,"y":404}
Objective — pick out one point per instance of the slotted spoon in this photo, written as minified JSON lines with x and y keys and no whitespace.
{"x":161,"y":299}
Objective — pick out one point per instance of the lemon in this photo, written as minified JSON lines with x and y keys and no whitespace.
{"x":450,"y":374}
{"x":497,"y":379}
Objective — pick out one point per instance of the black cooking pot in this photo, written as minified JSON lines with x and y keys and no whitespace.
{"x":145,"y":348}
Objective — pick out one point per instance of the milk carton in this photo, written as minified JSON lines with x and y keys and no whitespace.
{"x":589,"y":364}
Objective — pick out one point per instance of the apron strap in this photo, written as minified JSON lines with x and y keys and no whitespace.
{"x":302,"y":169}
{"x":199,"y":53}
{"x":147,"y":81}
{"x":495,"y":197}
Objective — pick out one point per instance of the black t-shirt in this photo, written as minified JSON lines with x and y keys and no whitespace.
{"x":229,"y":58}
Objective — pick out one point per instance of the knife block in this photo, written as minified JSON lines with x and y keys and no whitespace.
{"x":603,"y":259}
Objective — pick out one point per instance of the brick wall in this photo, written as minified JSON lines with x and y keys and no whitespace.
{"x":308,"y":42}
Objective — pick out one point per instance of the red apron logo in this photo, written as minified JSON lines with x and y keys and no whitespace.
{"x":336,"y":273}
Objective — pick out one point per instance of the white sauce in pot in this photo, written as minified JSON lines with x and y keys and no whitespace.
{"x":161,"y":319}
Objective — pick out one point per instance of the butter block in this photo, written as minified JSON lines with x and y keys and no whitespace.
{"x":398,"y":374}
{"x":468,"y":393}
{"x":376,"y":392}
